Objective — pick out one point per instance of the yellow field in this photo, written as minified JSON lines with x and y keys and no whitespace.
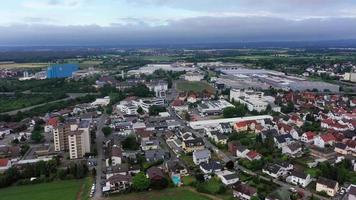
{"x":22,"y":65}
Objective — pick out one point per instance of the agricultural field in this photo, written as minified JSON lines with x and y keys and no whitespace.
{"x":22,"y":65}
{"x":199,"y":86}
{"x":18,"y":101}
{"x":84,"y":64}
{"x":167,"y":194}
{"x":59,"y":190}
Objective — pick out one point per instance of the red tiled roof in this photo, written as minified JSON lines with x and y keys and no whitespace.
{"x":327,"y":137}
{"x":4,"y":162}
{"x":351,"y":143}
{"x":252,"y":154}
{"x":310,"y":135}
{"x":177,"y":102}
{"x":52,"y":121}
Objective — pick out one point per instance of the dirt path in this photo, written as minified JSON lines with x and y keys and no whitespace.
{"x":80,"y":193}
{"x":204,"y":194}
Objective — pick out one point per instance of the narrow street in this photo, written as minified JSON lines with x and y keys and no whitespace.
{"x":99,"y":168}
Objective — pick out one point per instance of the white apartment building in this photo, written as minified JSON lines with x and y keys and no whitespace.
{"x":127,"y":108}
{"x":158,"y":87}
{"x":252,"y":99}
{"x":191,"y":76}
{"x":101,"y":101}
{"x":146,"y":103}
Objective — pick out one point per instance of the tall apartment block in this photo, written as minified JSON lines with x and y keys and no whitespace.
{"x":73,"y":138}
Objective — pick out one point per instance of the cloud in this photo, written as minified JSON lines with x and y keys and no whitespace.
{"x":293,"y":9}
{"x":189,"y":30}
{"x":50,"y":4}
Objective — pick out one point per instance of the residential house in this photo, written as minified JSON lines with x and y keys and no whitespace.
{"x":201,"y":156}
{"x":274,"y":170}
{"x":283,"y":140}
{"x":330,"y":187}
{"x":118,"y":183}
{"x":351,"y":192}
{"x":299,"y":178}
{"x":253,"y":155}
{"x":154,"y":155}
{"x":241,"y":151}
{"x":217,"y":137}
{"x":176,"y":167}
{"x":115,"y":157}
{"x":179,"y":105}
{"x":50,"y":124}
{"x":149,"y":144}
{"x":5,"y":164}
{"x":4,"y":132}
{"x":294,"y":149}
{"x":232,"y":147}
{"x":11,"y":152}
{"x":155,"y":173}
{"x":228,"y":177}
{"x":225,"y":128}
{"x":193,"y":145}
{"x":327,"y":153}
{"x":323,"y":140}
{"x":243,"y":191}
{"x":245,"y":125}
{"x":308,"y":137}
{"x":210,"y":167}
{"x":340,"y":148}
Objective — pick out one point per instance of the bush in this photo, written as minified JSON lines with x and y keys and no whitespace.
{"x":107,"y":131}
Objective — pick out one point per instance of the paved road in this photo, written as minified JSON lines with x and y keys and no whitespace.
{"x":99,"y":144}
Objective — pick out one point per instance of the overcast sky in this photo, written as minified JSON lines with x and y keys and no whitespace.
{"x":104,"y":22}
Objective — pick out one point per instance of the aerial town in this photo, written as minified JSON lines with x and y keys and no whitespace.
{"x":219,"y":130}
{"x":178,"y":100}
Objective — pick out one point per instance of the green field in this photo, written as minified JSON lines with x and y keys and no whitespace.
{"x":168,"y":194}
{"x":22,"y":65}
{"x":186,"y":86}
{"x":9,"y":103}
{"x":58,"y":190}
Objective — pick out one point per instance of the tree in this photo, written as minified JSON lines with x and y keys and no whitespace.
{"x":140,"y":110}
{"x":289,"y":108}
{"x":106,"y":130}
{"x":238,"y":111}
{"x":155,"y":110}
{"x":159,"y":184}
{"x":140,"y":182}
{"x":230,"y":165}
{"x":130,"y":143}
{"x":37,"y":136}
{"x":186,"y":116}
{"x":140,"y":91}
{"x":109,"y":110}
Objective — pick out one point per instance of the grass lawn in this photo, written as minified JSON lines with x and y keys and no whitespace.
{"x":167,"y":194}
{"x":314,"y":172}
{"x":212,"y":186}
{"x":187,"y":180}
{"x":187,"y":159}
{"x":59,"y":190}
{"x":195,"y":86}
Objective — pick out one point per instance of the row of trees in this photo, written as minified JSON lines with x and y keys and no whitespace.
{"x":43,"y":171}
